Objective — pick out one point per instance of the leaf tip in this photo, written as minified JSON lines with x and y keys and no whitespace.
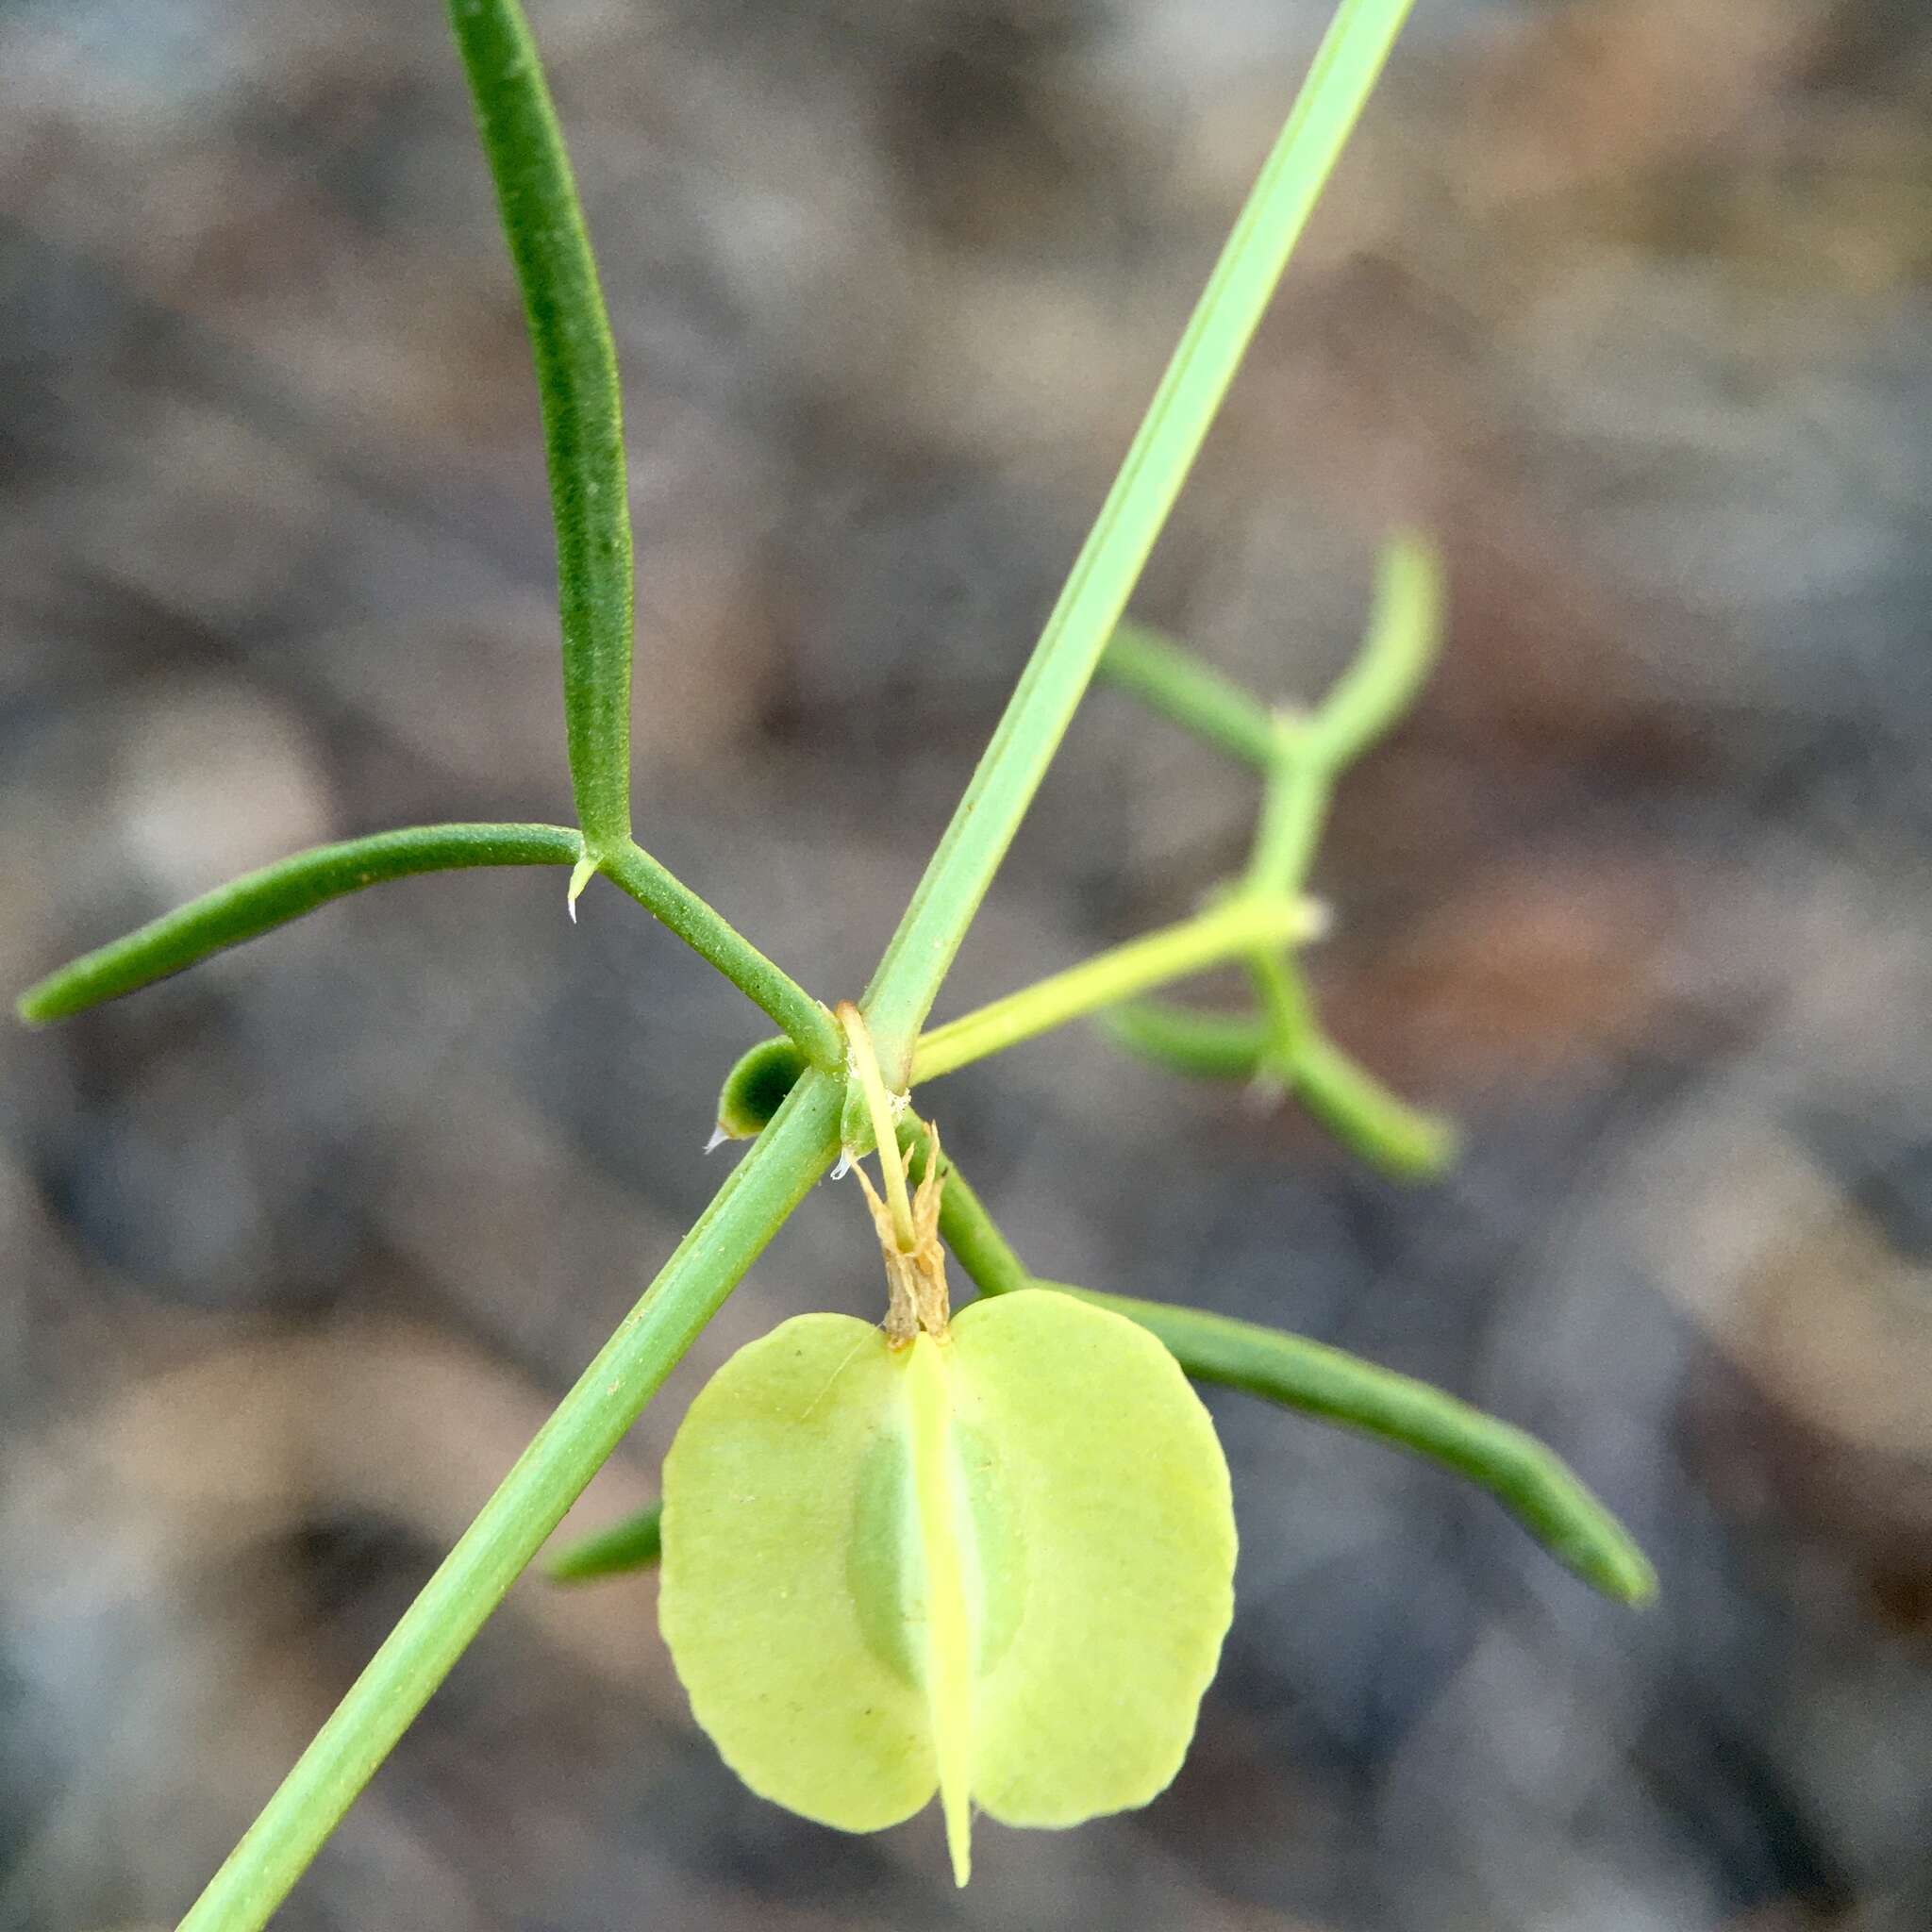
{"x":1632,"y":1577}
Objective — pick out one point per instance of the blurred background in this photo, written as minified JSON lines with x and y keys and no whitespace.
{"x":1625,"y":299}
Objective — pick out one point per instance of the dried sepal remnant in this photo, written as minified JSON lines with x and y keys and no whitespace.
{"x":997,"y":1566}
{"x":917,"y":1300}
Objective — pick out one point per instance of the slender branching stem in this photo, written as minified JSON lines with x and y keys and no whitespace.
{"x":1302,"y":755}
{"x":583,"y":430}
{"x":713,"y":938}
{"x":1103,"y":577}
{"x":1193,"y":694}
{"x":1295,"y":804}
{"x":1229,"y":930}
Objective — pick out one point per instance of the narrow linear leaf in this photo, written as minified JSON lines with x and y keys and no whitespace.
{"x":260,"y":901}
{"x":635,"y":1544}
{"x":1379,"y":1125}
{"x":577,"y":385}
{"x":1398,"y":651}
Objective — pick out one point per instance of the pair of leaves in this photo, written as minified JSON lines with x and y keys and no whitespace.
{"x":997,"y":1565}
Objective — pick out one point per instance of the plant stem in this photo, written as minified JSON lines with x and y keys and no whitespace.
{"x":1110,"y":563}
{"x":713,"y":938}
{"x":1530,"y":1480}
{"x":1211,"y":1046}
{"x":773,"y":1176}
{"x":1361,"y":1113}
{"x":260,"y":901}
{"x":1401,"y":1140}
{"x":1293,"y":805}
{"x":1303,"y":756}
{"x":582,"y":405}
{"x":1179,"y":686}
{"x":1398,"y":652}
{"x":1227,"y":931}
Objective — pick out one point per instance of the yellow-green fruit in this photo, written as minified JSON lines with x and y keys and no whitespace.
{"x":997,"y":1565}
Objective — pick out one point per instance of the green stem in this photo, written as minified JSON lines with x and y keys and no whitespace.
{"x":1294,"y":803}
{"x":1210,"y":1047}
{"x":1110,"y":563}
{"x":632,"y":1544}
{"x":509,"y":1530}
{"x":1227,"y":931}
{"x":1196,"y":696}
{"x":260,"y":901}
{"x":1361,"y":1113}
{"x":1530,"y":1480}
{"x":713,"y":938}
{"x":578,"y":386}
{"x":1398,"y":652}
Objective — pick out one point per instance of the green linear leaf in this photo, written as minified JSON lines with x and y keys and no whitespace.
{"x":577,"y":385}
{"x":1398,"y":651}
{"x":1362,"y":1114}
{"x":260,"y":901}
{"x":635,"y":1544}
